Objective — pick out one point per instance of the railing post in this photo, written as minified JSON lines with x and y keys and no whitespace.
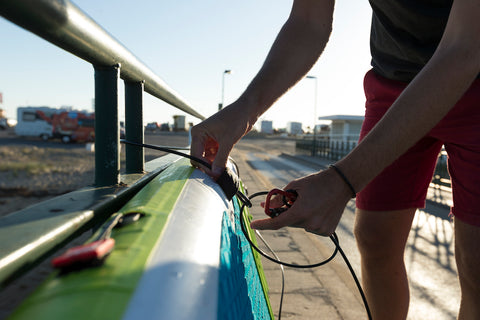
{"x":107,"y":131}
{"x":135,"y":158}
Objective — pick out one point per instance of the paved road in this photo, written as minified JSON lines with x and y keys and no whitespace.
{"x":329,"y":290}
{"x":8,"y":137}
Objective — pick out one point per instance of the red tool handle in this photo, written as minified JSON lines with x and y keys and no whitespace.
{"x":85,"y":254}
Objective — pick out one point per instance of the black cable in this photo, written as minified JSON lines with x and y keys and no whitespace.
{"x":301,"y":266}
{"x":169,"y":150}
{"x":354,"y":276}
{"x":228,"y":181}
{"x":283,"y":273}
{"x":333,"y":238}
{"x":246,"y":202}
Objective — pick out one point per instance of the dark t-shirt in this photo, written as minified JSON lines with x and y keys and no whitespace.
{"x":405,"y":34}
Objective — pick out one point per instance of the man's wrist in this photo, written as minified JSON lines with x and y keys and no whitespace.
{"x":345,"y":179}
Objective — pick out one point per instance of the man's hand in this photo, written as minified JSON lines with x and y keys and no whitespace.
{"x":214,"y":138}
{"x":321,"y":200}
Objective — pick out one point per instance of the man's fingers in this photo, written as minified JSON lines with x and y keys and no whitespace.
{"x":220,"y":162}
{"x":286,"y":219}
{"x":197,"y":147}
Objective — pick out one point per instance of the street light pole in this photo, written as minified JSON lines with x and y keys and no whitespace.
{"x":220,"y":106}
{"x":314,"y":146}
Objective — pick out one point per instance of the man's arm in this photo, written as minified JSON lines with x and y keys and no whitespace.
{"x":297,"y":47}
{"x":427,"y":99}
{"x":295,"y":50}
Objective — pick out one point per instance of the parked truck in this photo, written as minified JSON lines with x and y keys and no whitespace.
{"x":48,"y":123}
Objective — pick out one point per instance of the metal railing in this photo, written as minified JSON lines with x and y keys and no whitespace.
{"x":51,"y":224}
{"x":64,"y":24}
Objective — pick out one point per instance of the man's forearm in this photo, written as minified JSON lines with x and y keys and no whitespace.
{"x":419,"y":108}
{"x":426,"y":100}
{"x":297,"y":47}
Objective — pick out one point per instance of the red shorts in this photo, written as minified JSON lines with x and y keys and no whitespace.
{"x":405,"y":182}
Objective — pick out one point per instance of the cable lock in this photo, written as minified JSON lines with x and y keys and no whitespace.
{"x":288,"y":197}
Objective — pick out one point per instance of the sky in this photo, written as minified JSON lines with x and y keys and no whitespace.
{"x":189,"y":45}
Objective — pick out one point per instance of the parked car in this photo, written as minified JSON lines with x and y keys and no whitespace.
{"x":164,"y":127}
{"x":152,"y":126}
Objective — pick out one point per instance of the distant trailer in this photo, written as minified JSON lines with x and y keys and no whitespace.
{"x":31,"y":123}
{"x":47,"y":123}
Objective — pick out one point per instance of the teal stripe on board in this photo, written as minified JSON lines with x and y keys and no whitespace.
{"x":241,"y":295}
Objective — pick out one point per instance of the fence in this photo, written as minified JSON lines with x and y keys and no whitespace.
{"x":336,"y":147}
{"x":326,"y":146}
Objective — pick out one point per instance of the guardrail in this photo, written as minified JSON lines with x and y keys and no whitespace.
{"x":199,"y":262}
{"x":52,"y":224}
{"x":64,"y":24}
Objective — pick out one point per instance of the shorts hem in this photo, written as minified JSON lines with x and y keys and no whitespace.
{"x":468,"y":218}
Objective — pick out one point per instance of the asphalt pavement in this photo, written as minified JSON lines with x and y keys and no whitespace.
{"x":329,"y":292}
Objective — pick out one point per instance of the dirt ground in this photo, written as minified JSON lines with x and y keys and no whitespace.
{"x":32,"y":171}
{"x":31,"y":174}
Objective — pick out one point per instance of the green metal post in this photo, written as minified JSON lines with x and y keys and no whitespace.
{"x":107,"y":131}
{"x":135,"y":156}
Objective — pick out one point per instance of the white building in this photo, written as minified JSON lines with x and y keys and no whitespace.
{"x":344,"y":127}
{"x":179,"y":123}
{"x":266,"y":126}
{"x":294,"y":128}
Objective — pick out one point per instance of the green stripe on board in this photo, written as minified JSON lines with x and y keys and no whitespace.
{"x":247,"y":218}
{"x":104,"y":292}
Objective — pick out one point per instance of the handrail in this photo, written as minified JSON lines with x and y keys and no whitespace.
{"x":64,"y":24}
